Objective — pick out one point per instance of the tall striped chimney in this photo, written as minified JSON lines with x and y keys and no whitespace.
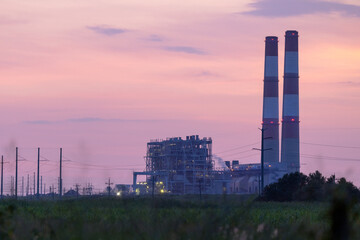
{"x":290,"y":149}
{"x":271,"y":101}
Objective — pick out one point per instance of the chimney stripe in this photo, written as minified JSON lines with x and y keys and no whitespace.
{"x":271,"y":101}
{"x":291,"y":100}
{"x":271,"y":66}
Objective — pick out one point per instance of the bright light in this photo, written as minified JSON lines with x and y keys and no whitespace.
{"x":118,"y":194}
{"x":162,"y":191}
{"x":293,"y":119}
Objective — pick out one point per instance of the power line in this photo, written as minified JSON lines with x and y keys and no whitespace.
{"x":329,"y":145}
{"x":251,"y":155}
{"x":232,"y":154}
{"x":329,"y":158}
{"x":232,"y":149}
{"x":97,"y":168}
{"x":101,"y":166}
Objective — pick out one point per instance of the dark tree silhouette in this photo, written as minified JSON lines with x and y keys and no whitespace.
{"x":315,"y":187}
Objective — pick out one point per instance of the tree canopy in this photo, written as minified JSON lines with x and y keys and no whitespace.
{"x":314,"y":187}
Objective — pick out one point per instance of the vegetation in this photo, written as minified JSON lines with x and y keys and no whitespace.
{"x":315,"y":187}
{"x":168,"y":218}
{"x":188,"y":217}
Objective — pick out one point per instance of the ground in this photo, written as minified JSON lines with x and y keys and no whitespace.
{"x":165,"y":217}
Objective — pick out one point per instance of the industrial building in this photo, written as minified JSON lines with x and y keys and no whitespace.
{"x":185,"y":166}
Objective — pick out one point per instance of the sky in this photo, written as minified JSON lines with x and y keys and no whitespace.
{"x":102,"y":78}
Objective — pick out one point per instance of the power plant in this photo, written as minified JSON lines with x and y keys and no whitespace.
{"x":180,"y":166}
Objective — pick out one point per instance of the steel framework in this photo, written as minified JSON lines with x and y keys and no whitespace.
{"x":184,"y":166}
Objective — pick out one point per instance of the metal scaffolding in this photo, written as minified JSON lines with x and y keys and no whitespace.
{"x":183,"y":166}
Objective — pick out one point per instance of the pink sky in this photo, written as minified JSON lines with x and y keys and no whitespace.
{"x":101,"y":79}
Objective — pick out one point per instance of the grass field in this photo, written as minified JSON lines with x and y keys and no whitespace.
{"x":167,"y":217}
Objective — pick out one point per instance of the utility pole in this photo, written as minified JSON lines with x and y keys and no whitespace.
{"x":34,"y":183}
{"x":2,"y":175}
{"x":60,"y":179}
{"x":41,"y":186}
{"x":262,"y":157}
{"x":77,"y":186}
{"x":38,"y":173}
{"x":27,"y":185}
{"x":16,"y":172}
{"x":12,"y":186}
{"x":22,"y":186}
{"x":53,"y":191}
{"x":108,"y":186}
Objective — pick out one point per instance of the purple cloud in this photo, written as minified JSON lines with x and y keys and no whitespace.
{"x":154,"y":38}
{"x":288,"y":8}
{"x":105,"y":30}
{"x":206,"y":73}
{"x":349,"y":83}
{"x":185,"y":49}
{"x":87,"y":120}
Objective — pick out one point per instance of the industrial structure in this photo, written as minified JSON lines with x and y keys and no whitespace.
{"x":290,"y":149}
{"x":182,"y":165}
{"x":185,"y":166}
{"x":179,"y":166}
{"x":270,"y":121}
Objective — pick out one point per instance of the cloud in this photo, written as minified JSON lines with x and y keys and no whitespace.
{"x":185,"y":49}
{"x":39,"y":122}
{"x":86,"y":120}
{"x":206,"y":73}
{"x":288,"y":8}
{"x":349,"y":83}
{"x":154,"y":38}
{"x":106,"y":30}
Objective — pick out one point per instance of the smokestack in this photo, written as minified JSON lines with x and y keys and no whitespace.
{"x":271,"y":101}
{"x":290,"y":148}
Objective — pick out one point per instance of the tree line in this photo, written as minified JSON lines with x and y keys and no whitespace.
{"x":313,"y":187}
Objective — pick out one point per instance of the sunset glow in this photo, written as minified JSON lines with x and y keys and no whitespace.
{"x":102,"y":78}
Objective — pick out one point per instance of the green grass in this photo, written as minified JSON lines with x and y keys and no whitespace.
{"x":214,"y":217}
